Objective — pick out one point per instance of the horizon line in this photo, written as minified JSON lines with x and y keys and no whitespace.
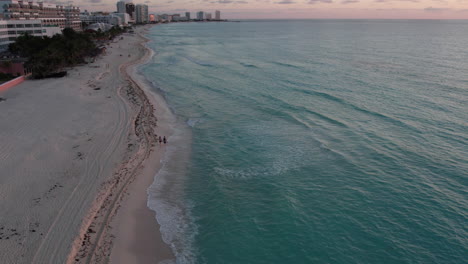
{"x":346,"y":19}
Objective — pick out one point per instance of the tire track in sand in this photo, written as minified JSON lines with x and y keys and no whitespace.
{"x":93,"y":246}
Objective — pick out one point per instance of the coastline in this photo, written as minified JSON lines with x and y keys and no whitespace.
{"x":136,"y":231}
{"x":127,"y":230}
{"x":74,"y":150}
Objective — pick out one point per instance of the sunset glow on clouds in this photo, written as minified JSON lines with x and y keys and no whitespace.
{"x":296,"y":9}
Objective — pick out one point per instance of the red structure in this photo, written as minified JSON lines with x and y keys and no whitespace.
{"x":13,"y":68}
{"x":9,"y":84}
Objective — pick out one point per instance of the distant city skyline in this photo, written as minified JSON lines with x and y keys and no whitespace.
{"x":298,"y":9}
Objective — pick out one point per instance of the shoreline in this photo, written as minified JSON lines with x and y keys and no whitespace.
{"x":127,"y":229}
{"x":138,"y":238}
{"x":78,"y":154}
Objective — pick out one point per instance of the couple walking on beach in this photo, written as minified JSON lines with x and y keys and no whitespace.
{"x":162,"y":140}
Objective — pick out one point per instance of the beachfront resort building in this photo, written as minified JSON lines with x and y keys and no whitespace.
{"x":106,"y":19}
{"x":187,"y":15}
{"x":200,"y":15}
{"x":130,"y":10}
{"x":11,"y":29}
{"x":127,"y":8}
{"x":72,"y":17}
{"x":121,"y":7}
{"x":208,"y":16}
{"x":141,"y":12}
{"x":218,"y":15}
{"x":50,"y":14}
{"x":175,"y":17}
{"x":124,"y":17}
{"x":115,"y":19}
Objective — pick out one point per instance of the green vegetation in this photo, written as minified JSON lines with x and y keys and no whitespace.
{"x":5,"y":77}
{"x":110,"y":34}
{"x":49,"y":55}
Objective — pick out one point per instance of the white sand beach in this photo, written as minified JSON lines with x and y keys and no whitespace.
{"x":76,"y":156}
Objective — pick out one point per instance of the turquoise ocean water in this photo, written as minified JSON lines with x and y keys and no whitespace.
{"x":317,"y":141}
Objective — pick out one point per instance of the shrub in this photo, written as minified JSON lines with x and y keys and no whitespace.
{"x":49,"y":55}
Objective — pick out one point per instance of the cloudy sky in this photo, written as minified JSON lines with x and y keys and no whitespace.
{"x":392,"y":9}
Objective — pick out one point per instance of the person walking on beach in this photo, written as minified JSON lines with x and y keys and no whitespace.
{"x":164,"y":140}
{"x":160,"y":140}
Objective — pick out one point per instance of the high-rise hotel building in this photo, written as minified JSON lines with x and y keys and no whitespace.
{"x":49,"y":14}
{"x":200,"y":15}
{"x":128,"y":8}
{"x":141,"y":12}
{"x":121,"y":7}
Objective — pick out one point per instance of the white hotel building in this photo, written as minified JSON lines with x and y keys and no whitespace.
{"x":112,"y":19}
{"x":11,"y":29}
{"x":18,"y":17}
{"x":50,"y":14}
{"x":141,"y":12}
